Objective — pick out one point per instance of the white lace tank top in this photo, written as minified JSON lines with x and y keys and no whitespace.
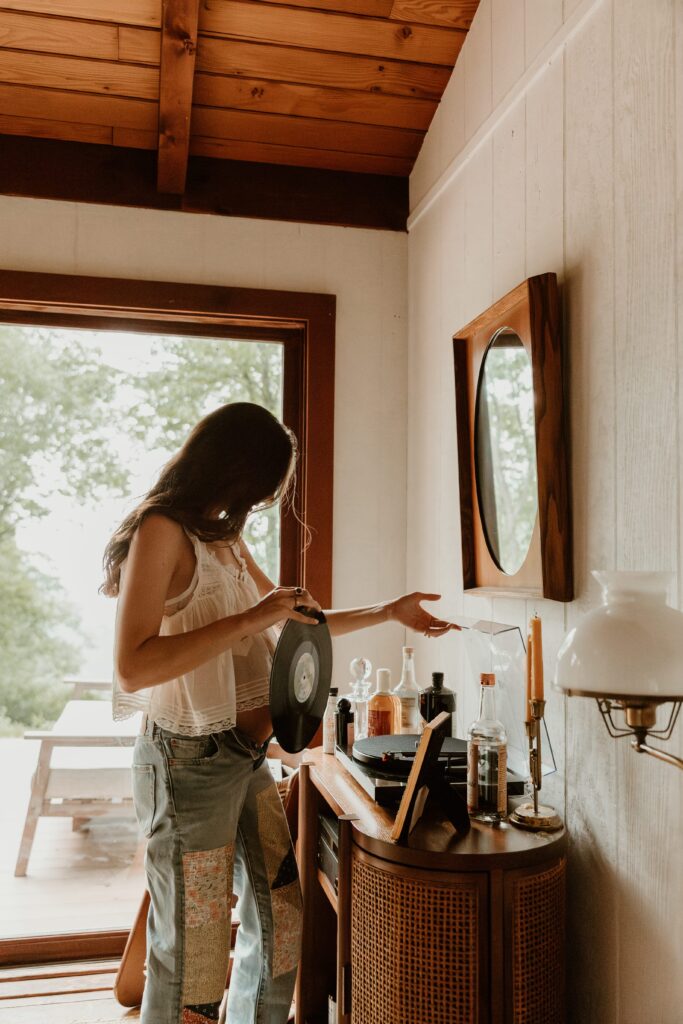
{"x":207,"y":699}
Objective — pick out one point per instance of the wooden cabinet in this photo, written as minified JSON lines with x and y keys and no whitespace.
{"x":441,"y":931}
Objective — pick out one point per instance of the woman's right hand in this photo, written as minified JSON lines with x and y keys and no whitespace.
{"x":281,"y":603}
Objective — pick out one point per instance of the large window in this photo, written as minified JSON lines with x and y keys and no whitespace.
{"x":95,"y":394}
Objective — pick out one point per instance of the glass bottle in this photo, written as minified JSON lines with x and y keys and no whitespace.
{"x":487,"y":758}
{"x":437,"y":698}
{"x":382,"y":707}
{"x":360,"y":688}
{"x":408,"y":696}
{"x":328,"y":721}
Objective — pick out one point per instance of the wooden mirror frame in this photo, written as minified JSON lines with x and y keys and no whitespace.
{"x":532,"y":311}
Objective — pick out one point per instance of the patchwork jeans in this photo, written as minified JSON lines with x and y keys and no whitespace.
{"x":215,"y":824}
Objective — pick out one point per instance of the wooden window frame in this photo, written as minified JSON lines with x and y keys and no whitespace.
{"x":304,"y":322}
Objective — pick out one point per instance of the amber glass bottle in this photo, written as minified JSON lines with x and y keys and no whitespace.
{"x":382,"y":707}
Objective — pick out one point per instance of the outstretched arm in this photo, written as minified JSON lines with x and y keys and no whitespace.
{"x":406,"y":610}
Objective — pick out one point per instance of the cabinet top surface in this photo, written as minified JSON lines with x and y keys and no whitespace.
{"x":433,"y":842}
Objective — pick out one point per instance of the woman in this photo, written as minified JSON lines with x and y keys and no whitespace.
{"x":194,"y":642}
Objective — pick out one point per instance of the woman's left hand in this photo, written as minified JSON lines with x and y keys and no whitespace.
{"x":408,"y":611}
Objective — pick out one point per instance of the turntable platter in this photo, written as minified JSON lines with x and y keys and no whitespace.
{"x":394,"y":755}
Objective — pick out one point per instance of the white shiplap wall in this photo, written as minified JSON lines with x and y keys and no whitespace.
{"x":558,"y":146}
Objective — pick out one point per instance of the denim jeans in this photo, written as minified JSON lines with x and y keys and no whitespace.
{"x":215,"y":824}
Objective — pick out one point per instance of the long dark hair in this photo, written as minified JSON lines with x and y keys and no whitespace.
{"x":238,"y":458}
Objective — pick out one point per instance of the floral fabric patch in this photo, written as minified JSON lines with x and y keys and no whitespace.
{"x":208,"y":899}
{"x":281,"y":871}
{"x":286,"y":906}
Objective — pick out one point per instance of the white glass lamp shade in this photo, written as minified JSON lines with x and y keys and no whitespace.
{"x":629,"y":647}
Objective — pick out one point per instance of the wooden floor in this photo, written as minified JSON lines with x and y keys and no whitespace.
{"x":62,"y":994}
{"x":87,"y":880}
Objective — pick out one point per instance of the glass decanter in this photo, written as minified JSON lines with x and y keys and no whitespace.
{"x":361,"y":669}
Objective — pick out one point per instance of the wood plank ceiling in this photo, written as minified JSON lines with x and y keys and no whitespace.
{"x":345,"y":85}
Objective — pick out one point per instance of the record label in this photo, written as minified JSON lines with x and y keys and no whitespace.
{"x":304,"y":664}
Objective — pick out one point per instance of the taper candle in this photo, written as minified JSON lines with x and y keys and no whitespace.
{"x":527,"y":703}
{"x":537,"y":659}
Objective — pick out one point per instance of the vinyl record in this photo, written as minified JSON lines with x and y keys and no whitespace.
{"x":300,"y":682}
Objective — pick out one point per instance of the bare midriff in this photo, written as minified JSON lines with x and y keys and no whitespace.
{"x":256,"y":723}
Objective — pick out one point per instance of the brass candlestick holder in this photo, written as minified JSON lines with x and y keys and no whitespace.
{"x":534,"y":816}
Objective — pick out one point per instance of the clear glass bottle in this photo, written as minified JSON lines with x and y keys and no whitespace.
{"x":360,"y":688}
{"x":408,"y":695}
{"x":329,"y":722}
{"x":487,"y":758}
{"x":382,"y":707}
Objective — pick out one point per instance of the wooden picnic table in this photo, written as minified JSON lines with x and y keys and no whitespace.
{"x":83,"y":769}
{"x":84,"y":766}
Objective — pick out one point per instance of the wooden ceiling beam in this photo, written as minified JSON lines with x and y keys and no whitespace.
{"x":176,"y":80}
{"x":77,"y":172}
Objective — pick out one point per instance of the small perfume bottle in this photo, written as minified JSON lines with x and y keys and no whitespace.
{"x":382,"y":707}
{"x":360,"y":688}
{"x":487,"y":758}
{"x":408,"y":696}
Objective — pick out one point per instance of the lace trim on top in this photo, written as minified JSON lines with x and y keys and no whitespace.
{"x":240,"y":573}
{"x":255,"y":694}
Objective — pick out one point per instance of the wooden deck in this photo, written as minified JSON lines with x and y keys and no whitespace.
{"x":66,"y":994}
{"x":85,"y":880}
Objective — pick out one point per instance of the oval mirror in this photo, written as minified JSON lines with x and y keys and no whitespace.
{"x":505,"y":450}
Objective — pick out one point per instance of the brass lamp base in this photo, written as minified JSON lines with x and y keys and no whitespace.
{"x":543,"y":819}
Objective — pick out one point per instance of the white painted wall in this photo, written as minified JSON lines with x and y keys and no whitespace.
{"x":365,"y":269}
{"x":558,"y":146}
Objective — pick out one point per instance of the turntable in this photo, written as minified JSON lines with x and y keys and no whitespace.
{"x":381,"y":765}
